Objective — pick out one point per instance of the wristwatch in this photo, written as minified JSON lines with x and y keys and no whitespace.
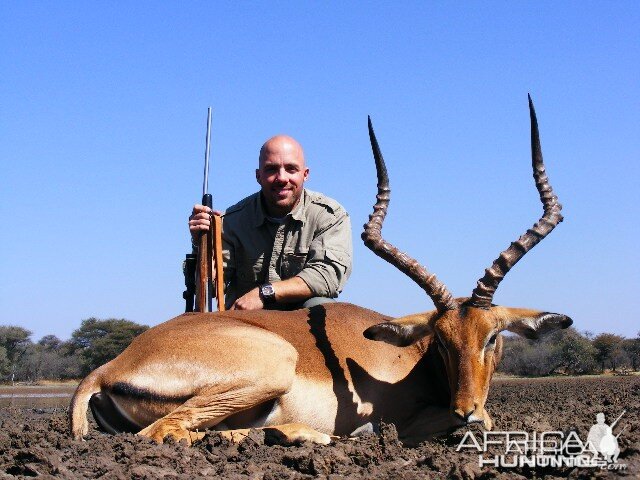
{"x":267,"y":294}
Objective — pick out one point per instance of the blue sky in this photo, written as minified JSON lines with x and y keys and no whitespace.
{"x":102,"y":121}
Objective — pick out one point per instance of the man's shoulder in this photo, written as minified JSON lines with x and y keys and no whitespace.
{"x":241,"y":215}
{"x":243,"y":205}
{"x":320,"y":201}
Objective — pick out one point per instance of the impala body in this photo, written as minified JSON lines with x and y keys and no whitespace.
{"x":329,"y":370}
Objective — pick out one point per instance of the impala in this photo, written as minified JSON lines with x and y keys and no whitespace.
{"x":309,"y":374}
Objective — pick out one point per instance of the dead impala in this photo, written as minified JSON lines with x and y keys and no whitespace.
{"x":308,"y":374}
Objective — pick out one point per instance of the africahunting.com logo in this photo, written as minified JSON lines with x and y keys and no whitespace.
{"x":549,"y":448}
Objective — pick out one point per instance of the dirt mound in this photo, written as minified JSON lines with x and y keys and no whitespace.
{"x":35,"y":442}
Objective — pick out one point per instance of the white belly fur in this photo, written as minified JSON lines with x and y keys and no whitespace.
{"x":309,"y":402}
{"x":312,"y":403}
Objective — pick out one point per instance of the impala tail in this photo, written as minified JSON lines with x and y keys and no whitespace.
{"x":80,"y":403}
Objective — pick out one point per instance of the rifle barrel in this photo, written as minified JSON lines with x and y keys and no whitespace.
{"x":205,"y":183}
{"x":617,"y":419}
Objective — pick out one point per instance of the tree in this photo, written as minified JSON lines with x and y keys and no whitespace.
{"x":5,"y":364}
{"x":576,"y":353}
{"x":528,"y":358}
{"x":41,"y":362}
{"x":98,"y":341}
{"x":50,"y":342}
{"x":565,"y":351}
{"x":632,"y":348}
{"x":609,"y":349}
{"x":15,"y":341}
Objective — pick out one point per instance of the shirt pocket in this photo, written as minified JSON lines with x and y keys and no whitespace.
{"x":292,"y":264}
{"x":337,"y":257}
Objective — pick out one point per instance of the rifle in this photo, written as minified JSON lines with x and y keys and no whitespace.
{"x":203,"y":271}
{"x":617,"y":419}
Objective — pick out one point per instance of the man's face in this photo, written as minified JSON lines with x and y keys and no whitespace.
{"x":281,"y":174}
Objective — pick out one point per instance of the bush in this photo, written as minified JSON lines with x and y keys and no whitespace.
{"x":564,"y":351}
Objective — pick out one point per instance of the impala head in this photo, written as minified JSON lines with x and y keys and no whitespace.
{"x":466,"y":330}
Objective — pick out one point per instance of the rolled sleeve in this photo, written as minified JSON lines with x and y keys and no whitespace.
{"x":329,"y":260}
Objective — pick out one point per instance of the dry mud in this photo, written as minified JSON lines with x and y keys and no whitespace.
{"x":34,"y":442}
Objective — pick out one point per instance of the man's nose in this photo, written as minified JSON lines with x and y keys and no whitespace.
{"x":281,"y":175}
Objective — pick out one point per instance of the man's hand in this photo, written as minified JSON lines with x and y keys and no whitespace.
{"x":249,"y":301}
{"x":200,"y":220}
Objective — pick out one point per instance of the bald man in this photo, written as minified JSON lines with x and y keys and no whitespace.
{"x":284,"y":247}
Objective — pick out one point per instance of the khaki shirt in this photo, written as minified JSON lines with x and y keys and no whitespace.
{"x":313,"y":242}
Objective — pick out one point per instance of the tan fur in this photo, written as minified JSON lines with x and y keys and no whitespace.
{"x":265,"y":369}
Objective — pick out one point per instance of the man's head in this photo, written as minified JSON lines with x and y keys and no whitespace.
{"x":281,"y":173}
{"x":600,"y":418}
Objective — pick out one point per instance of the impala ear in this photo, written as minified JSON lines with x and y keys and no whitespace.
{"x":403,"y":331}
{"x":534,"y":327}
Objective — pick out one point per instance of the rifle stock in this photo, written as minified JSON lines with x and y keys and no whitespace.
{"x":219,"y":271}
{"x":203,"y":283}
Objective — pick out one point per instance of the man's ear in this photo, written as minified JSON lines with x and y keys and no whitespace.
{"x":403,"y":331}
{"x":258,"y":175}
{"x":536,"y":326}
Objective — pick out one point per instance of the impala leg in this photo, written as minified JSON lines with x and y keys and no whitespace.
{"x":285,"y":434}
{"x":209,"y":408}
{"x":487,"y":422}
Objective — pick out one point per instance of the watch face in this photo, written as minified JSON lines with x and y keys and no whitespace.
{"x":267,"y":290}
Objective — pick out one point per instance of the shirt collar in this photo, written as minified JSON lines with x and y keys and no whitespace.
{"x":297,"y":213}
{"x":299,"y":210}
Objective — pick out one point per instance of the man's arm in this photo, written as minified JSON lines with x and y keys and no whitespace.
{"x":328,"y":263}
{"x":287,"y":291}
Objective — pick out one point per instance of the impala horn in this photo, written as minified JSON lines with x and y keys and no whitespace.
{"x":372,"y":237}
{"x":487,"y":285}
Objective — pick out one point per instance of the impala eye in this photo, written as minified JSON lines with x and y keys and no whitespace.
{"x":492,"y":340}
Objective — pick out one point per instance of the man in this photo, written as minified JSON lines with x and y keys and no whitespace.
{"x":284,"y":247}
{"x":596,"y":434}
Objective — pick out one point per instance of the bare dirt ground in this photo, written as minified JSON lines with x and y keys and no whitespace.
{"x":34,"y":442}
